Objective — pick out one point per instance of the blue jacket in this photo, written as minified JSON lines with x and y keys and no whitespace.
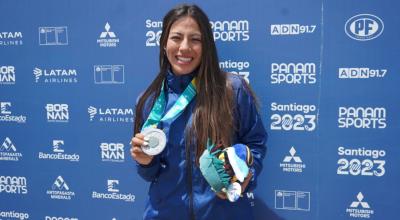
{"x":178,"y":190}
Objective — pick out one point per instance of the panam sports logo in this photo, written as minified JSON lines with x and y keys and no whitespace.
{"x":236,"y":30}
{"x":364,"y":27}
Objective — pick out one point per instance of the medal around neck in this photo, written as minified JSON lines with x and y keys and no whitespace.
{"x":156,"y":141}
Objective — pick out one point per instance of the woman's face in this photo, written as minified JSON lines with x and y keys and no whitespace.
{"x":183,"y":47}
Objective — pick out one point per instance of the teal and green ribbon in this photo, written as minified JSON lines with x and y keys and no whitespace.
{"x":156,"y":113}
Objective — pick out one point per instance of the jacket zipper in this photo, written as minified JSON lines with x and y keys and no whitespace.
{"x":189,"y":182}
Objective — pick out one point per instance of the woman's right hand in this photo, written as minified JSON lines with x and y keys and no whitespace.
{"x":137,"y":152}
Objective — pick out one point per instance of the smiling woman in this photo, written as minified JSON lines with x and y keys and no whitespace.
{"x":184,"y":46}
{"x":198,"y":137}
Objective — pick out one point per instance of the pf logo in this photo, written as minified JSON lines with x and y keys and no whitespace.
{"x":364,"y":27}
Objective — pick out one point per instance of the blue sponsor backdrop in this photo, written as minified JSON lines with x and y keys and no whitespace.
{"x":325,"y":72}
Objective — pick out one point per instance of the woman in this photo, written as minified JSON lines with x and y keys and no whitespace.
{"x":222,"y":111}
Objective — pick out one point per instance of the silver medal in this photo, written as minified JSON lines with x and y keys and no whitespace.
{"x":156,"y":140}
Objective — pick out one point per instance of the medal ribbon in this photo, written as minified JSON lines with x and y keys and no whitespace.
{"x":155,"y":116}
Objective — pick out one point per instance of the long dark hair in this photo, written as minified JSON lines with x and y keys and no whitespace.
{"x":213,"y":113}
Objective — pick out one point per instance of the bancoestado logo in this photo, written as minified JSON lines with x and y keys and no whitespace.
{"x":107,"y":37}
{"x":292,"y":163}
{"x":361,"y":73}
{"x":293,"y":117}
{"x":292,"y":29}
{"x":362,"y":117}
{"x":361,"y":161}
{"x":235,"y":30}
{"x":364,"y":27}
{"x":59,"y":218}
{"x":7,"y":116}
{"x":60,"y":190}
{"x":57,"y":112}
{"x":8,"y":151}
{"x":112,"y":152}
{"x":55,"y":76}
{"x":113,"y":193}
{"x":360,"y":208}
{"x":7,"y":75}
{"x":10,"y":38}
{"x":14,"y":215}
{"x":13,"y":185}
{"x":240,"y":68}
{"x":293,"y":73}
{"x":112,"y":115}
{"x":58,"y":153}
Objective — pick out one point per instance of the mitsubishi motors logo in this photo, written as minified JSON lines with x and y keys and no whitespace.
{"x":292,"y":152}
{"x":108,"y":38}
{"x":292,"y":163}
{"x":356,"y":204}
{"x":360,"y":208}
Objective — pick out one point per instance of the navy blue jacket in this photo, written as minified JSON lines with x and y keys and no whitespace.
{"x":178,"y":190}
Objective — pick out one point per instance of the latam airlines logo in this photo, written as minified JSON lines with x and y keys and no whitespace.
{"x":57,"y":112}
{"x":360,"y":208}
{"x":7,"y":116}
{"x":58,"y":153}
{"x":108,"y":38}
{"x":113,"y":193}
{"x":10,"y":38}
{"x":53,"y":36}
{"x":55,"y":76}
{"x":236,"y":30}
{"x":13,"y":185}
{"x":364,"y":27}
{"x":112,"y":152}
{"x":7,"y":75}
{"x":112,"y":115}
{"x":60,"y":190}
{"x":292,"y":29}
{"x":292,"y":163}
{"x":8,"y":151}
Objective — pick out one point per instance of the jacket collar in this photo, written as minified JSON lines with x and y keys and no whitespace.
{"x":178,"y":83}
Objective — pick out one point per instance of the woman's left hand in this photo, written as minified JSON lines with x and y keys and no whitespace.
{"x":246,"y":181}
